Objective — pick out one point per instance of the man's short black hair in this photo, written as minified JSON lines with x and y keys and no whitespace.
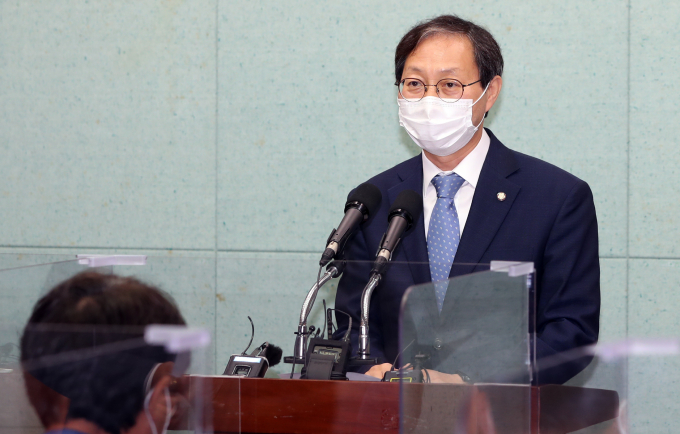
{"x":487,"y":51}
{"x":80,"y":320}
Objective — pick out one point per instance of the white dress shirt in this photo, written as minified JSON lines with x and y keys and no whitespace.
{"x":468,"y":169}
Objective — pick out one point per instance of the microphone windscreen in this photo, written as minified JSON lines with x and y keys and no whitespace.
{"x":273,"y":354}
{"x":409,"y":201}
{"x":369,"y":195}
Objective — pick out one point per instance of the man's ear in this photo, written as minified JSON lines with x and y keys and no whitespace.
{"x":493,"y":91}
{"x":158,"y":393}
{"x":157,"y":408}
{"x":158,"y":403}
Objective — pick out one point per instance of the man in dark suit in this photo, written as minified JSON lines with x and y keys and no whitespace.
{"x":485,"y":201}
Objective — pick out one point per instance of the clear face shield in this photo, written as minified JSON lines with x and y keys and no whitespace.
{"x":118,"y":378}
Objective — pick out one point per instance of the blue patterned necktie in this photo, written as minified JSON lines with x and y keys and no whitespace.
{"x":443,"y":234}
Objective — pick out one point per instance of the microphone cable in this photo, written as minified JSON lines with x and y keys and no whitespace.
{"x":326,"y":323}
{"x":252,"y":335}
{"x":400,"y":353}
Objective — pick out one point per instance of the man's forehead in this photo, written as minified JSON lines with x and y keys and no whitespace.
{"x":443,"y":54}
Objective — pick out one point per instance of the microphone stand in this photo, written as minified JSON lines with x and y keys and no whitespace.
{"x":334,"y":269}
{"x":400,"y":219}
{"x":379,"y":268}
{"x":364,"y":352}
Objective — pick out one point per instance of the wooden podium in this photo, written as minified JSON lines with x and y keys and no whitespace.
{"x":250,"y":405}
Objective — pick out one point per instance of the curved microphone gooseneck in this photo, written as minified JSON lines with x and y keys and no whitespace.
{"x":405,"y":211}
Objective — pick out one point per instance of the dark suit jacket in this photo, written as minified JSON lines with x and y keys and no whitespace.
{"x":548,"y":218}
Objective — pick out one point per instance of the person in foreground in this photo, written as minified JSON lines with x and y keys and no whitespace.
{"x":86,"y":368}
{"x":481,"y":202}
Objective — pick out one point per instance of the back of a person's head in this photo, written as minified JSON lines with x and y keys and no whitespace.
{"x":96,"y":321}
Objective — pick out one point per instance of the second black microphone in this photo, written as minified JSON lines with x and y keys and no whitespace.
{"x":405,"y":211}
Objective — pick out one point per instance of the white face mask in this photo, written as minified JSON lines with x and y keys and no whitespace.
{"x":439,"y":127}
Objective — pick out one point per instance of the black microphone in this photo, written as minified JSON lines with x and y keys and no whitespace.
{"x":362,"y":203}
{"x":406,"y":210}
{"x":270,"y":352}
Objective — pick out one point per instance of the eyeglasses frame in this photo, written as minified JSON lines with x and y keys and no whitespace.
{"x":436,"y":87}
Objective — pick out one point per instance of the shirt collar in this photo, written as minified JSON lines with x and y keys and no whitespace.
{"x":469,"y":169}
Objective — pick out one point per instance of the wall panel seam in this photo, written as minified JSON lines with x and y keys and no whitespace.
{"x":628,"y":234}
{"x":217,"y":126}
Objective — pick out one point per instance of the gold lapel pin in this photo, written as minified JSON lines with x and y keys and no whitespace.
{"x":501,"y":196}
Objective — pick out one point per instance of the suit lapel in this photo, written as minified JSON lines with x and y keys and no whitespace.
{"x":487,"y":212}
{"x":413,"y":243}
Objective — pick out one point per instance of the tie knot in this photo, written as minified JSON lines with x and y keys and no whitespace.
{"x":447,"y":185}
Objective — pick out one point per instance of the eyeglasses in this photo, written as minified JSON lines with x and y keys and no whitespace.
{"x":448,"y":89}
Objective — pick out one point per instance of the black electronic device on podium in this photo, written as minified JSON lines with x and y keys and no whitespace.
{"x":327,"y":359}
{"x":257,"y":363}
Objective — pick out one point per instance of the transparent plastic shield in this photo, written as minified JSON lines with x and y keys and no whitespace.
{"x":26,"y":278}
{"x":473,"y":357}
{"x":220,"y":292}
{"x":23,"y":280}
{"x":630,"y":386}
{"x":481,"y":333}
{"x":117,"y":378}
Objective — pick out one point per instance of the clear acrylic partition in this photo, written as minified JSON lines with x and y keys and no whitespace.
{"x":630,"y":386}
{"x":472,"y":360}
{"x":25,"y":278}
{"x":218,"y":292}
